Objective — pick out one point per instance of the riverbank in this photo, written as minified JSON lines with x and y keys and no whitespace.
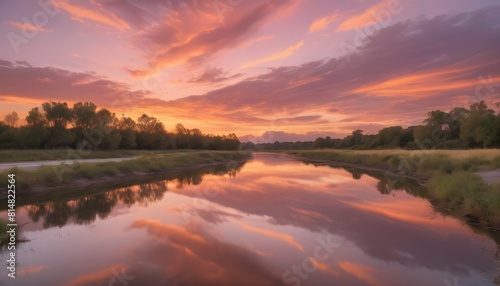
{"x":8,"y":156}
{"x":80,"y":175}
{"x":449,"y":175}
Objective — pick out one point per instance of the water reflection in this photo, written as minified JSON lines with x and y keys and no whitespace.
{"x":252,"y":225}
{"x":86,"y":209}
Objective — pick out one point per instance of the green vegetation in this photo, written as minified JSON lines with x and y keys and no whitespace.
{"x":13,"y":155}
{"x":460,"y":128}
{"x":92,"y":173}
{"x":450,"y":175}
{"x":84,"y":127}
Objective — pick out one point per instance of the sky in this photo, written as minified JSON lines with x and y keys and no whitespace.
{"x":266,"y":70}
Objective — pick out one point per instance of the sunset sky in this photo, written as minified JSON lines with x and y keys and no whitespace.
{"x":304,"y":68}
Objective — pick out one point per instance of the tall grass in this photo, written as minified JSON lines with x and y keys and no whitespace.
{"x":47,"y":176}
{"x":419,"y":163}
{"x":62,"y":154}
{"x":452,"y":182}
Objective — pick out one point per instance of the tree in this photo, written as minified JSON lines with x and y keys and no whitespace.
{"x":357,"y":137}
{"x":151,"y":133}
{"x":481,"y":108}
{"x":436,"y":118}
{"x":230,"y":142}
{"x":35,"y":117}
{"x":37,"y":129}
{"x":181,"y":137}
{"x":11,"y":119}
{"x":481,"y":128}
{"x":58,"y":116}
{"x":149,"y":124}
{"x":111,"y":137}
{"x":84,"y":115}
{"x":126,"y":126}
{"x":195,"y":139}
{"x":389,"y":137}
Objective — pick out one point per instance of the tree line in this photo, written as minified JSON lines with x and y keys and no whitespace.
{"x":57,"y":125}
{"x":460,"y":128}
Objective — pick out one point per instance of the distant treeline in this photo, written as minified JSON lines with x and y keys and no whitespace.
{"x":460,"y":128}
{"x":57,"y":125}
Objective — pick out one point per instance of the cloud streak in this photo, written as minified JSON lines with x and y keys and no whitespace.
{"x":288,"y":52}
{"x":323,"y":22}
{"x":93,"y":13}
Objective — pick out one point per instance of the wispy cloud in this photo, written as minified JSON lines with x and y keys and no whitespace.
{"x":212,"y":75}
{"x":365,"y":18}
{"x":289,"y":51}
{"x":179,"y":39}
{"x":323,"y":22}
{"x":94,"y":14}
{"x":27,"y":27}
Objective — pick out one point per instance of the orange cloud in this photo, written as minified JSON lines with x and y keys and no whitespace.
{"x":325,"y":268}
{"x":96,"y":277}
{"x":260,"y":39}
{"x":81,"y":14}
{"x":276,"y":56}
{"x":365,"y":18}
{"x":27,"y":27}
{"x":363,"y":273}
{"x":276,"y":235}
{"x":158,"y":228}
{"x":426,"y":83}
{"x":323,"y":22}
{"x":183,"y":38}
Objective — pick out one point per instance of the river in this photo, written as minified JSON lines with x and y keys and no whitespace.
{"x":273,"y":220}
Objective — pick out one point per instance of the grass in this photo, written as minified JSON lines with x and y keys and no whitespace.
{"x":421,"y":164}
{"x":62,"y":154}
{"x":450,"y":176}
{"x":47,"y":176}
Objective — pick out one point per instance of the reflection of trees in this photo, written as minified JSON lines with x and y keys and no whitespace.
{"x":195,"y":177}
{"x":387,"y":182}
{"x":86,"y":209}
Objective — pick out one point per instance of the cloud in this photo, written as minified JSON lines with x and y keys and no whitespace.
{"x":323,"y":22}
{"x":259,"y":39}
{"x":48,"y":83}
{"x":182,"y":38}
{"x":44,"y":80}
{"x":94,"y":13}
{"x":305,"y":198}
{"x":191,"y":256}
{"x":276,"y":56}
{"x":368,"y":17}
{"x":391,"y":79}
{"x":288,"y":239}
{"x":27,"y":27}
{"x":212,"y":75}
{"x":281,"y":136}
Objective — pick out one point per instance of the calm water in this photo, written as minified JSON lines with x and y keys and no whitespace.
{"x":272,"y":221}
